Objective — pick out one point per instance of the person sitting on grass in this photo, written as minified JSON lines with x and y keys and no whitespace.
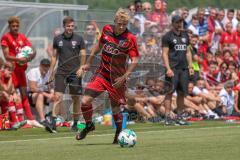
{"x":8,"y":96}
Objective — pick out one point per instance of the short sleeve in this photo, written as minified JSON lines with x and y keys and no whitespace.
{"x":165,"y":41}
{"x":31,"y":75}
{"x":55,"y":45}
{"x":101,"y":39}
{"x":4,"y":41}
{"x":82,"y":44}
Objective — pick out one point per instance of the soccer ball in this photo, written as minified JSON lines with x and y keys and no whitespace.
{"x":127,"y":138}
{"x":24,"y":52}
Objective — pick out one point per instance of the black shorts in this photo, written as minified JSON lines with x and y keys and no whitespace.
{"x":180,"y":81}
{"x":62,"y":81}
{"x":30,"y":98}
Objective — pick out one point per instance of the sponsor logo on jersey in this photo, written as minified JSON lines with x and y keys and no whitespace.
{"x":74,"y":43}
{"x":184,"y":40}
{"x":60,"y":43}
{"x":125,"y":44}
{"x":110,"y":48}
{"x":180,"y":47}
{"x":174,"y":41}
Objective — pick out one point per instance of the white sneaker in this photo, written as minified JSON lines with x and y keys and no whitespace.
{"x":35,"y":123}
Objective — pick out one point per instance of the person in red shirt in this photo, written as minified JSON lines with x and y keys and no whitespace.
{"x":236,"y":37}
{"x":227,"y":36}
{"x":116,"y":44}
{"x":11,"y":43}
{"x":159,"y":15}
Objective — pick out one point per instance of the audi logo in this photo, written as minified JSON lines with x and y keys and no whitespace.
{"x":110,"y":49}
{"x":180,"y":47}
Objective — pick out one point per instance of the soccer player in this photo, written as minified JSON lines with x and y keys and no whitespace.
{"x":116,"y":44}
{"x":11,"y":43}
{"x":177,"y":58}
{"x":69,"y":50}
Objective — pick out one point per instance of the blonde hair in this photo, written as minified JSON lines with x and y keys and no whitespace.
{"x":122,"y":14}
{"x":13,"y":19}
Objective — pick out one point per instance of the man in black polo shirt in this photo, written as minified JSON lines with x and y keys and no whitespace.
{"x":69,"y":50}
{"x":178,"y":62}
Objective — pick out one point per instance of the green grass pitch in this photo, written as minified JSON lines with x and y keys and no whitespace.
{"x":206,"y":140}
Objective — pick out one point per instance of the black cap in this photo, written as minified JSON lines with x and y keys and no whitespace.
{"x":176,"y":18}
{"x":45,"y":62}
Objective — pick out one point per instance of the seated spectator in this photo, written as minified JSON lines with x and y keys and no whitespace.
{"x":227,"y":105}
{"x":8,"y":96}
{"x":195,"y":102}
{"x":222,"y":76}
{"x":209,"y":76}
{"x":227,"y":56}
{"x":210,"y":99}
{"x":232,"y":67}
{"x":38,"y":91}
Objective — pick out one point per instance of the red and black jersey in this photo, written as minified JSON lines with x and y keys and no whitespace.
{"x":116,"y":49}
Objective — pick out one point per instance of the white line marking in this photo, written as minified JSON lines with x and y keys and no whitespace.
{"x":101,"y":135}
